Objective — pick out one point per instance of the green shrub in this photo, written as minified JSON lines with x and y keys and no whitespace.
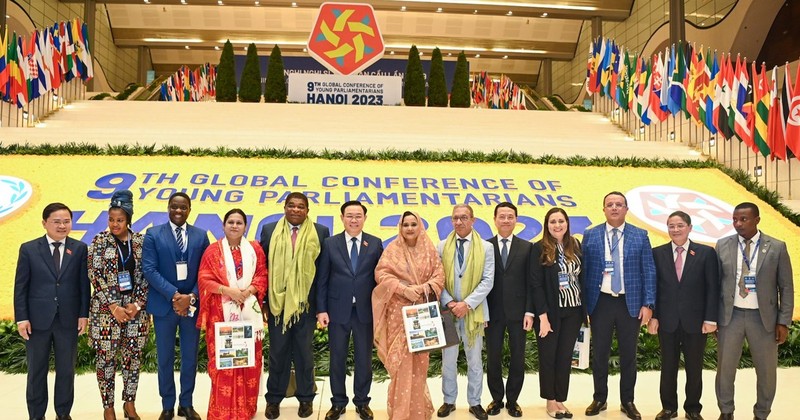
{"x":437,"y":85}
{"x":226,"y":75}
{"x":276,"y":83}
{"x":250,"y":85}
{"x":460,"y":95}
{"x":414,"y":81}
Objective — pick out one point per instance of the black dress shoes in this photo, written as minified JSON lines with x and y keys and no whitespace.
{"x":306,"y":409}
{"x":595,"y":408}
{"x":446,"y":409}
{"x":514,"y":409}
{"x":189,"y":413}
{"x":726,"y":416}
{"x":478,"y":412}
{"x":629,"y":409}
{"x":64,"y":417}
{"x":335,"y":412}
{"x":667,"y":414}
{"x":166,"y":415}
{"x":273,"y":410}
{"x":364,"y":412}
{"x":494,"y":408}
{"x":693,"y":415}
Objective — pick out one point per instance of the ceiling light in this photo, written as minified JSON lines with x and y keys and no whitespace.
{"x":145,"y":2}
{"x":174,"y":40}
{"x":475,"y":12}
{"x":183,"y":1}
{"x":294,"y":4}
{"x":403,"y":9}
{"x":216,"y":47}
{"x":449,"y":54}
{"x":263,"y":42}
{"x":438,"y":10}
{"x":544,"y":14}
{"x":509,"y":13}
{"x":545,"y":6}
{"x":420,"y":53}
{"x":305,"y":49}
{"x":186,"y":46}
{"x":391,"y":52}
{"x":518,"y":51}
{"x":219,"y":2}
{"x":258,"y":3}
{"x":505,"y":57}
{"x":477,"y":56}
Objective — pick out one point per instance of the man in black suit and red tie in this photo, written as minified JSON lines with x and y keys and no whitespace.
{"x":51,"y":308}
{"x":687,"y":299}
{"x":344,"y":306}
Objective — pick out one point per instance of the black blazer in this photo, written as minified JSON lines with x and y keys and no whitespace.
{"x":692,"y":300}
{"x":546,"y":288}
{"x":39,"y":294}
{"x":266,"y":237}
{"x":337,"y":284}
{"x":512,"y":293}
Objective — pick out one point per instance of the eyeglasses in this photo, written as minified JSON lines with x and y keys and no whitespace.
{"x":462,"y":219}
{"x":59,"y":222}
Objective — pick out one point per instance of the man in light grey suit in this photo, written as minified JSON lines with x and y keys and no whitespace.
{"x":756,"y":302}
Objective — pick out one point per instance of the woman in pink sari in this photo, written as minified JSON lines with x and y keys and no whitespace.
{"x":408,"y":269}
{"x":232,"y":282}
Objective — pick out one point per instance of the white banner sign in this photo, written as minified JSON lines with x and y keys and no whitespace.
{"x":345,"y":90}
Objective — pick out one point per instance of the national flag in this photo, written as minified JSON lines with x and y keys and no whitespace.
{"x":657,"y":81}
{"x":88,"y":73}
{"x":740,"y":98}
{"x":688,"y":56}
{"x":776,"y":128}
{"x":724,"y":98}
{"x":762,"y":101}
{"x":22,"y":75}
{"x":667,"y":67}
{"x":793,"y":117}
{"x":711,"y":89}
{"x":643,"y":96}
{"x":677,"y":95}
{"x":591,"y":71}
{"x":3,"y":64}
{"x":695,"y":85}
{"x":624,"y":81}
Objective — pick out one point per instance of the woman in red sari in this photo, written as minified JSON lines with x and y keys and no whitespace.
{"x":232,"y":282}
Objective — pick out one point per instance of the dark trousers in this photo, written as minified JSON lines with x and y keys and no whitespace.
{"x":692,"y":345}
{"x":62,"y":338}
{"x":555,"y":354}
{"x":291,"y":346}
{"x":339,"y":344}
{"x":166,"y":327}
{"x":495,"y":337}
{"x":612,"y":313}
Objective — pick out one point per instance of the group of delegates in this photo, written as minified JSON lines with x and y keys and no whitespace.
{"x":350,"y":284}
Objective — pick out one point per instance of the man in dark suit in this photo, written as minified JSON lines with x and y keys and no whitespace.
{"x":170,"y":261}
{"x":620,"y":293}
{"x":756,"y":303}
{"x":686,"y":311}
{"x":510,"y":309}
{"x":51,"y":308}
{"x":344,"y":304}
{"x":292,"y":246}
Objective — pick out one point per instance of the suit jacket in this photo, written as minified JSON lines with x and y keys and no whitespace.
{"x":39,"y":294}
{"x":547,"y":289}
{"x":774,"y":281}
{"x":692,"y":300}
{"x":338,"y":284}
{"x":512,"y":293}
{"x":160,"y":254}
{"x":639,"y":275}
{"x":266,"y":238}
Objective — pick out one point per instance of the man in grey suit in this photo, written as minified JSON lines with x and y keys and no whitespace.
{"x":756,"y":303}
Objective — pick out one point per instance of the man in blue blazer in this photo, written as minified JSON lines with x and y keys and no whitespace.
{"x":51,"y":308}
{"x":170,"y":262}
{"x":620,"y":293}
{"x":344,"y":304}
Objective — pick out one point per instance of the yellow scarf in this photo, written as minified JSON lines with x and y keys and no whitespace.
{"x":474,"y":261}
{"x":291,"y":276}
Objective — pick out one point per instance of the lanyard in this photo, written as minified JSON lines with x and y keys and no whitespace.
{"x":608,"y":240}
{"x":130,"y":251}
{"x":746,"y":260}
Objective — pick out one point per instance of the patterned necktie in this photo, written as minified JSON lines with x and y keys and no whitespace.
{"x":294,"y":237}
{"x":679,"y":262}
{"x":504,"y":252}
{"x":57,"y":257}
{"x":742,"y":288}
{"x":616,"y":278}
{"x":460,"y":252}
{"x":179,"y":238}
{"x":354,"y":254}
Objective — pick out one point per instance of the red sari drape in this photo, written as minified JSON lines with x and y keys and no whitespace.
{"x":234,"y":392}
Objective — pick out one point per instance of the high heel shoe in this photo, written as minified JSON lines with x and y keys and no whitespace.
{"x":109,"y":414}
{"x":133,"y":416}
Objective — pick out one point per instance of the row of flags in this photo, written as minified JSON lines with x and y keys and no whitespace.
{"x":496,"y":94}
{"x":728,"y":96}
{"x":190,"y":85}
{"x":32,"y":67}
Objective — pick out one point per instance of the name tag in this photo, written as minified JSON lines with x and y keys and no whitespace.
{"x":181,"y":268}
{"x":609,"y":267}
{"x":750,"y":283}
{"x":124,"y":281}
{"x":563,"y":280}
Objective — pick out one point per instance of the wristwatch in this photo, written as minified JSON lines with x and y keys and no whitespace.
{"x":192,"y":299}
{"x":650,"y":306}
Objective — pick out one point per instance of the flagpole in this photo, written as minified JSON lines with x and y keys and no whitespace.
{"x":789,"y":163}
{"x":740,"y":156}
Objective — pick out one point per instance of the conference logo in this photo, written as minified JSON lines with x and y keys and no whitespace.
{"x":711,"y":217}
{"x":346,"y":38}
{"x":14,"y":193}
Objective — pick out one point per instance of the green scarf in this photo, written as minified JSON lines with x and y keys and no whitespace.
{"x":474,"y":321}
{"x":291,"y":276}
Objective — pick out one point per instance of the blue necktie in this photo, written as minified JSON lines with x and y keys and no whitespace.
{"x":460,"y":252}
{"x":504,"y":252}
{"x":179,"y":238}
{"x":616,"y":278}
{"x":354,"y":254}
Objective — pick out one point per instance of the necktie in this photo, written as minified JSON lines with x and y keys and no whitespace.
{"x":294,"y":236}
{"x":742,"y":289}
{"x":679,"y":262}
{"x":354,"y":253}
{"x":179,"y":238}
{"x":504,"y":252}
{"x":616,"y":278}
{"x":460,"y":252}
{"x":57,"y":257}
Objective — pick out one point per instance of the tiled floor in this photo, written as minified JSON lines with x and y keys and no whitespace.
{"x":87,"y":398}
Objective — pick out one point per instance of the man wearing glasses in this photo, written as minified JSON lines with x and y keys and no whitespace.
{"x":620,"y":292}
{"x":468,"y":264}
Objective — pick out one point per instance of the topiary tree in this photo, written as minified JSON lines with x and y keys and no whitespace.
{"x":437,"y":86}
{"x":250,"y":85}
{"x":226,"y":75}
{"x":275,"y":90}
{"x":460,"y":95}
{"x":414,"y":81}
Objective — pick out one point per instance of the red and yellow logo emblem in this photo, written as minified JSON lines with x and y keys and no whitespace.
{"x":346,"y":38}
